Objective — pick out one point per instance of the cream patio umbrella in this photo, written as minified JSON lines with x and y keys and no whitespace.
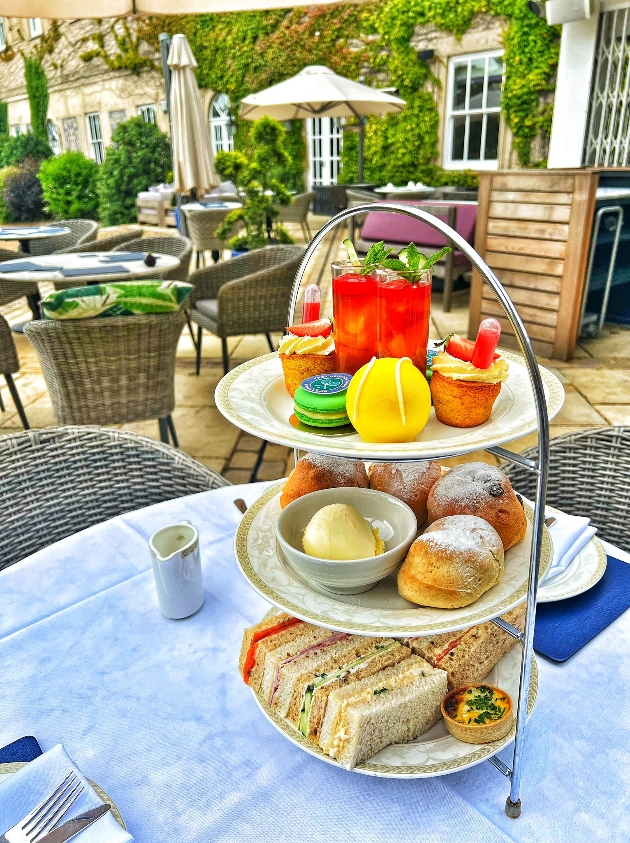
{"x":318,"y":92}
{"x":72,"y":9}
{"x":193,"y":167}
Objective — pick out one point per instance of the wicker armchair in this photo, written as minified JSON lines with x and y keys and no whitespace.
{"x":297,"y":211}
{"x":354,"y":198}
{"x":246,"y":295}
{"x":201,"y":227}
{"x":105,"y":244}
{"x":178,"y":246}
{"x":81,"y":231}
{"x":57,"y":481}
{"x":12,"y":290}
{"x":9,"y":364}
{"x":588,"y":475}
{"x":110,"y":371}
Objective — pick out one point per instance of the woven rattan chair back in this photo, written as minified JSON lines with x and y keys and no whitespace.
{"x":57,"y":481}
{"x":104,"y":244}
{"x":354,"y":198}
{"x":109,"y":371}
{"x":588,"y":476}
{"x":297,"y":211}
{"x":12,"y":290}
{"x":81,"y":231}
{"x":9,"y":362}
{"x":202,"y":226}
{"x":177,"y":246}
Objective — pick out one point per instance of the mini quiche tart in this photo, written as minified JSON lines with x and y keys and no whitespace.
{"x":478,"y":713}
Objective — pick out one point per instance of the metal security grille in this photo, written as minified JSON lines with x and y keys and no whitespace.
{"x":608,"y":138}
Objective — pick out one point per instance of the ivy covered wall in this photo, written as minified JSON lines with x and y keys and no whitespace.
{"x":240,"y":53}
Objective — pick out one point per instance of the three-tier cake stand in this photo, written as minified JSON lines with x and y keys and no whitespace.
{"x":253,"y":397}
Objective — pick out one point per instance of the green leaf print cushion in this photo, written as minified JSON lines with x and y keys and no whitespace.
{"x":119,"y":298}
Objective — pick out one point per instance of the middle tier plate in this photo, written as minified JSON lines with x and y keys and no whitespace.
{"x":381,"y":611}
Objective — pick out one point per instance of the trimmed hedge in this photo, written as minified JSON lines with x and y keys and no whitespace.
{"x":69,"y":185}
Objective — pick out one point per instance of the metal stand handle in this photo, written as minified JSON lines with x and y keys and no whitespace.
{"x":513,"y":803}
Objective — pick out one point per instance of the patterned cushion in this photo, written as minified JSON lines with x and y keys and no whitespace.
{"x":118,"y":298}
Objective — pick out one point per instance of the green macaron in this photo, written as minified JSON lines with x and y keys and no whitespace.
{"x":320,"y":401}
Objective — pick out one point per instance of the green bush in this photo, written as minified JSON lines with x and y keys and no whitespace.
{"x":22,"y":193}
{"x":5,"y":172}
{"x":69,"y":186}
{"x":140,"y":155}
{"x":17,"y":150}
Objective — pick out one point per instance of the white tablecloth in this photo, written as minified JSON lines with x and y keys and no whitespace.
{"x":154,"y":710}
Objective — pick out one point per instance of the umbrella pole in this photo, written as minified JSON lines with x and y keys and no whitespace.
{"x":361,"y":141}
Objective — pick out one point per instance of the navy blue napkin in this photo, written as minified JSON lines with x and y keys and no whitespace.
{"x":124,"y":256}
{"x":565,"y":626}
{"x":93,"y":270}
{"x":26,"y":266}
{"x":23,"y":749}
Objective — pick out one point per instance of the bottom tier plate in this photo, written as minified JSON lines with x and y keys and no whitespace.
{"x":437,"y":752}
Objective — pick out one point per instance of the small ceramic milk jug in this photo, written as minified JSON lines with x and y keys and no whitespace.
{"x":177,"y":570}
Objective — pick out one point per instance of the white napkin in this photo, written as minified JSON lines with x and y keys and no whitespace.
{"x":22,"y":791}
{"x":569,"y":534}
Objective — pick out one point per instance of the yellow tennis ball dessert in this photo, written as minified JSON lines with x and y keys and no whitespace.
{"x":388,"y":400}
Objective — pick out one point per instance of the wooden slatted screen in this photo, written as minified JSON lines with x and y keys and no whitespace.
{"x":533,"y":230}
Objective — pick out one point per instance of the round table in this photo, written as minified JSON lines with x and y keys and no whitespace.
{"x":31,"y":232}
{"x":406,"y":189}
{"x":211,"y":205}
{"x":155,"y":711}
{"x":53,"y":264}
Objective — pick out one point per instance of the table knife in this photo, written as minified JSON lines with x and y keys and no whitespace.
{"x":74,"y":826}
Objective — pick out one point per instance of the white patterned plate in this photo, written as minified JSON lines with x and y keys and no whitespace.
{"x":381,"y":611}
{"x":253,"y":397}
{"x":436,"y":752}
{"x":585,"y":571}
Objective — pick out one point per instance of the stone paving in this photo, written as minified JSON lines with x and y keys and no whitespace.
{"x":596,"y":381}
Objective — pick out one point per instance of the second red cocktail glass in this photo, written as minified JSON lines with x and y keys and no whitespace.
{"x":403,"y":316}
{"x":355,"y":312}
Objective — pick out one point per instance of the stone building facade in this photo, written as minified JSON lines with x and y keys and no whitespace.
{"x":88,"y":99}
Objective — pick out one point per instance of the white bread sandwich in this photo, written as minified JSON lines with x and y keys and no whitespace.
{"x":394,"y":705}
{"x":469,"y":655}
{"x":277,"y":631}
{"x":306,"y":683}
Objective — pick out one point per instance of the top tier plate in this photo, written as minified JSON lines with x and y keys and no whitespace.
{"x":253,"y":397}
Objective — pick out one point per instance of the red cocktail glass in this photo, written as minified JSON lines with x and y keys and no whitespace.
{"x":403,"y":315}
{"x":355,"y":314}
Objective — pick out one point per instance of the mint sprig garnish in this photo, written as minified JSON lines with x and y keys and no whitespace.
{"x":411,"y":263}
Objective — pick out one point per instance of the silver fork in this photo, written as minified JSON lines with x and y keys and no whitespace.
{"x":45,"y":815}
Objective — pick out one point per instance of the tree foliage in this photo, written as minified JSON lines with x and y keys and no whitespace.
{"x":69,"y":186}
{"x":23,"y":147}
{"x":37,"y":90}
{"x":256,"y":177}
{"x":139,"y":156}
{"x":22,"y":193}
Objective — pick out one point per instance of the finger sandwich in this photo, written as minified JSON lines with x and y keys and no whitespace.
{"x":396,"y":704}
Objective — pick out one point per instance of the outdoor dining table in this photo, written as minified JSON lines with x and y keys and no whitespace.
{"x":388,"y":188}
{"x":211,"y":205}
{"x":83,"y":262}
{"x":24,"y":234}
{"x":155,"y":712}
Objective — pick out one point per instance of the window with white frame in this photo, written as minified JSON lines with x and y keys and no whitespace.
{"x":148,"y":113}
{"x":16,"y":130}
{"x":325,"y":140}
{"x":3,"y":37}
{"x":221,"y":124}
{"x":35,"y":27}
{"x":473,"y":111}
{"x":54,"y":141}
{"x":97,"y":147}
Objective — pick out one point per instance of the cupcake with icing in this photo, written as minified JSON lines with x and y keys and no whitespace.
{"x":464,"y":393}
{"x":307,"y":350}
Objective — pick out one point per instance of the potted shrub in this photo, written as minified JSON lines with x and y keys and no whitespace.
{"x":262,"y":192}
